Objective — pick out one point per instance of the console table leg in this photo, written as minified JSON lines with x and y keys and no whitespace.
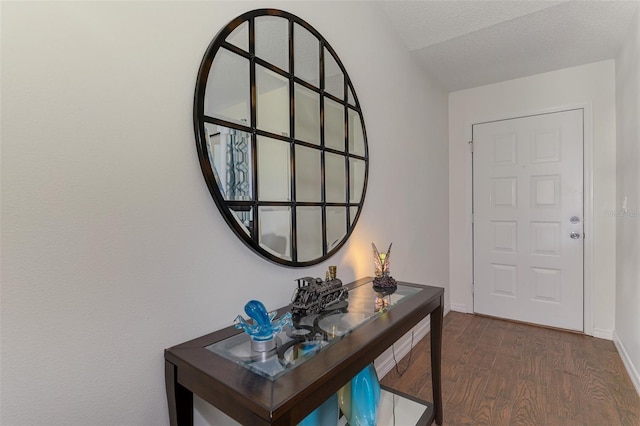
{"x":436,"y":360}
{"x":179,"y":398}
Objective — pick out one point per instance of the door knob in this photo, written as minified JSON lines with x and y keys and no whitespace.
{"x":574,"y":235}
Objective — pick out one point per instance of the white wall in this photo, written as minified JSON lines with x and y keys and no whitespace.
{"x":627,"y":334}
{"x":112,"y":248}
{"x":591,"y":85}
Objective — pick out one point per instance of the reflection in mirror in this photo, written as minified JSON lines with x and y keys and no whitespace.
{"x":244,"y":217}
{"x":308,"y":175}
{"x":240,"y":37}
{"x":214,"y":153}
{"x":273,"y":169}
{"x":273,"y":101}
{"x":333,"y":77}
{"x":351,"y":98}
{"x":275,"y":230}
{"x":336,"y":226}
{"x":228,"y":95}
{"x":335,"y":177}
{"x":309,"y":233}
{"x":333,"y":125}
{"x":306,"y":55}
{"x":307,"y":113}
{"x":357,"y":169}
{"x":356,"y":136}
{"x":353,"y":212}
{"x":272,"y":40}
{"x":230,"y":155}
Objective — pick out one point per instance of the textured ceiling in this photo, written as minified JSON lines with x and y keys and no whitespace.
{"x":465,"y":44}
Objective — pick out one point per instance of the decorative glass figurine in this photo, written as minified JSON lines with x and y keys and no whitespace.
{"x":263,"y":328}
{"x":359,"y":399}
{"x":383,"y":279}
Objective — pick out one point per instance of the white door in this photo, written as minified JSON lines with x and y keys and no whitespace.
{"x":528,"y":219}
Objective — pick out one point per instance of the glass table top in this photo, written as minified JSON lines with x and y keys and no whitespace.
{"x":312,"y":333}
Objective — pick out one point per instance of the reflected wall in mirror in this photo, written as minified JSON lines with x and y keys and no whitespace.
{"x":281,"y":137}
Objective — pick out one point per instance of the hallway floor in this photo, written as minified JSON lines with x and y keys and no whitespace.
{"x":497,"y":372}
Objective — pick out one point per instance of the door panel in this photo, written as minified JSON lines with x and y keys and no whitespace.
{"x":527,"y":185}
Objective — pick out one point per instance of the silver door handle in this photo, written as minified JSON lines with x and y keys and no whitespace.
{"x":574,"y":235}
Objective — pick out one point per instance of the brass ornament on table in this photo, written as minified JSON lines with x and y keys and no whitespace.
{"x":383,"y":280}
{"x":332,"y":272}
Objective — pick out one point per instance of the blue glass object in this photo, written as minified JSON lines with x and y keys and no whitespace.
{"x":264,"y":326}
{"x":365,"y":397}
{"x":325,"y":415}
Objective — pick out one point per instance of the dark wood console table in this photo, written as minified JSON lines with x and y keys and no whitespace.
{"x":252,"y":398}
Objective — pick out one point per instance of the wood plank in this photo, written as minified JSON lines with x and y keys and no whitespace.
{"x":469,"y":391}
{"x":563,"y":397}
{"x":500,"y":412}
{"x":503,"y":378}
{"x":529,"y":404}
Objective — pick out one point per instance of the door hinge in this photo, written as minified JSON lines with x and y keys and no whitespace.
{"x":472,"y":219}
{"x":471,"y":146}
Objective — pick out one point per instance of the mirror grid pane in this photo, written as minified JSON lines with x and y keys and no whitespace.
{"x":335,"y":178}
{"x":227,"y":94}
{"x":230,"y":155}
{"x":351,"y":98}
{"x":213,"y":152}
{"x":333,"y":124}
{"x":272,"y":105}
{"x":353,"y":212}
{"x":274,"y":172}
{"x":308,"y":174}
{"x":306,"y":55}
{"x":333,"y":77}
{"x":336,"y":226}
{"x":309,"y":233}
{"x":272,"y":40}
{"x":240,"y":37}
{"x":244,"y":217}
{"x":274,"y":230}
{"x":356,"y":135}
{"x":356,"y":179}
{"x":307,"y":115}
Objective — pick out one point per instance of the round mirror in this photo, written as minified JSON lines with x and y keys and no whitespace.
{"x":281,"y":137}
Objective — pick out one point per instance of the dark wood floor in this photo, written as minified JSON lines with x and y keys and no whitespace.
{"x":496,"y":372}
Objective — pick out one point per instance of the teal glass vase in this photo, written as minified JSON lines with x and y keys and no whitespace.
{"x":359,"y":399}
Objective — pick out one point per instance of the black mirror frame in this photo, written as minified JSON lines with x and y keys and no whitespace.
{"x":252,"y":239}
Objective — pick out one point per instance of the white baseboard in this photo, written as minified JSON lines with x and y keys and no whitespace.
{"x":626,"y":359}
{"x":385,"y":362}
{"x":460,"y":308}
{"x":601,"y":333}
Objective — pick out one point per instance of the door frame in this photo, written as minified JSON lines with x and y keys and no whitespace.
{"x":588,"y":212}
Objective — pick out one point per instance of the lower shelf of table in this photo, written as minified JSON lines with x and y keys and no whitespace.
{"x":397,"y":408}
